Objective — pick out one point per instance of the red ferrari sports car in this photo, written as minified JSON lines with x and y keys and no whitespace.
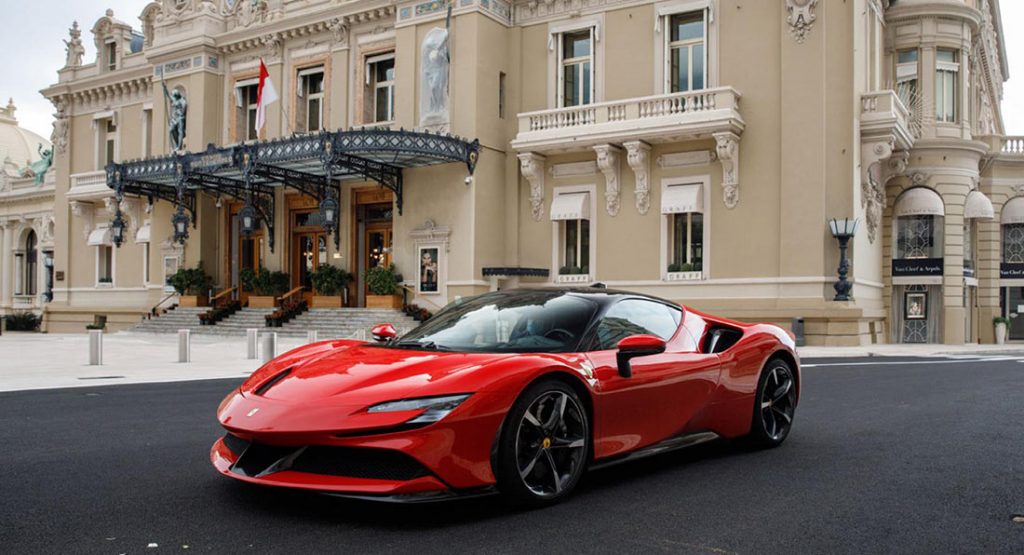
{"x":516,"y":392}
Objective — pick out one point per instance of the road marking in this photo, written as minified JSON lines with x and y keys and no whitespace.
{"x":102,"y":378}
{"x":881,"y":362}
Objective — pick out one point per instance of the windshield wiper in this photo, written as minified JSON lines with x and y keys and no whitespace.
{"x":425,"y":345}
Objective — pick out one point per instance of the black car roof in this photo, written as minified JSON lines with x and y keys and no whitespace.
{"x":599,"y":295}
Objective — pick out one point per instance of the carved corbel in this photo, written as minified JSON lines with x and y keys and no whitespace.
{"x":84,"y":211}
{"x":878,"y":164}
{"x":531,"y":165}
{"x":801,"y":18}
{"x":608,"y":161}
{"x":727,"y":146}
{"x":638,"y":156}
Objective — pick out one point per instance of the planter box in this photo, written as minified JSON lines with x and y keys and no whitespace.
{"x":192,"y":301}
{"x":257,"y":301}
{"x":326,"y":302}
{"x":383,"y":301}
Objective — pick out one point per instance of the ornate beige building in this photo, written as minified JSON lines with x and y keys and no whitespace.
{"x":692,"y":149}
{"x":26,"y":218}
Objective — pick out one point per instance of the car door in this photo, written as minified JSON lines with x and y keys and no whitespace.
{"x":665,"y":392}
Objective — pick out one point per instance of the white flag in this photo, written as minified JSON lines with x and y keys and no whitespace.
{"x":266,"y":95}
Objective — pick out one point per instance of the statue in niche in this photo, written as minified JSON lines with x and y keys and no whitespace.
{"x":74,"y":47}
{"x":177,"y":111}
{"x":434,"y":70}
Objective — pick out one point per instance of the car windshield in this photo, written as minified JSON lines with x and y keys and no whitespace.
{"x":525,"y":322}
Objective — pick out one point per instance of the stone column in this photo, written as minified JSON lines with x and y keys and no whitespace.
{"x":6,"y":266}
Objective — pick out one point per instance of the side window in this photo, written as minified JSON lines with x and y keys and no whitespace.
{"x":636,"y":317}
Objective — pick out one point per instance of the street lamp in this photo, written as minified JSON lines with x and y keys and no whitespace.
{"x":180,"y":221}
{"x":328,"y":212}
{"x":247,"y":216}
{"x":843,"y":229}
{"x":117,"y":228}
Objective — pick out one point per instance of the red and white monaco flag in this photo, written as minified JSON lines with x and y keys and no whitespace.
{"x":265,"y":96}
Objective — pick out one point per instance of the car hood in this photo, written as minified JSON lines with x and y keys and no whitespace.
{"x":366,"y":373}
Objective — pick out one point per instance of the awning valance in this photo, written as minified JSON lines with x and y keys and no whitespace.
{"x":920,"y":201}
{"x":144,"y":234}
{"x":571,"y":206}
{"x":101,"y":237}
{"x":1013,"y":211}
{"x":678,"y":199}
{"x":978,"y":206}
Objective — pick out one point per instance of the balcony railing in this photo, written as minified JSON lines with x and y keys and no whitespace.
{"x":883,"y":113}
{"x":89,"y":186}
{"x":696,"y":113}
{"x":1013,"y":145}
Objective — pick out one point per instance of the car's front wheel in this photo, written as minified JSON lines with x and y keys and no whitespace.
{"x":774,"y":405}
{"x":544,"y":445}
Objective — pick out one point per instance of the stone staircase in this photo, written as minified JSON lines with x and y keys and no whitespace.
{"x":330,"y":323}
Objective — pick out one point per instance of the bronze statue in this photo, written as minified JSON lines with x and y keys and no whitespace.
{"x":177,"y":110}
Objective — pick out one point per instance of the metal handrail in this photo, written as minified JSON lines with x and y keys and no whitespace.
{"x":152,"y":311}
{"x":222,"y":294}
{"x":291,"y":293}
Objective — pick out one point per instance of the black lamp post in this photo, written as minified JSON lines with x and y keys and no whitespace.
{"x":180,"y":221}
{"x":248,"y":219}
{"x":117,"y":228}
{"x":843,"y":229}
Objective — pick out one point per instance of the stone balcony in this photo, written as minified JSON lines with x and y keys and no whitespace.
{"x":884,"y":116}
{"x":89,"y":186}
{"x":652,"y":119}
{"x":1013,"y":146}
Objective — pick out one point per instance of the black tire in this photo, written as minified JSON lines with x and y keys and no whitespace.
{"x":774,"y":405}
{"x":544,"y":445}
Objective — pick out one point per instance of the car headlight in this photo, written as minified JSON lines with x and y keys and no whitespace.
{"x":434,"y":408}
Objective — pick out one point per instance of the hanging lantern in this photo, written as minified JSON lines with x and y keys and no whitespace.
{"x":248,"y":219}
{"x":180,"y":221}
{"x":117,"y":228}
{"x":329,"y":213}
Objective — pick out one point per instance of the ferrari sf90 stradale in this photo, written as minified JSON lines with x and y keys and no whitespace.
{"x":517,"y":392}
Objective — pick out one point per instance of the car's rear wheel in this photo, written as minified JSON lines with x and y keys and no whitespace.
{"x":774,"y":405}
{"x":544,"y":445}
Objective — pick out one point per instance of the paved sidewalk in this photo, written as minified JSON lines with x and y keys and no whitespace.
{"x":908,"y":350}
{"x":47,"y":361}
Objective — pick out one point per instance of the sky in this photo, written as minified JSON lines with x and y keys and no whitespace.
{"x":32,"y":50}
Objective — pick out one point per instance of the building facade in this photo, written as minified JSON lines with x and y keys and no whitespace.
{"x":27,"y":226}
{"x":691,"y":149}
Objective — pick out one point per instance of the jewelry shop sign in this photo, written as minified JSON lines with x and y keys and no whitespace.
{"x":917,"y":267}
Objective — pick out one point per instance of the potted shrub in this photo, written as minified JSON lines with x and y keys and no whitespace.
{"x":1001,"y":324}
{"x":268,"y":286}
{"x":192,"y":286}
{"x":328,"y":283}
{"x":383,"y":285}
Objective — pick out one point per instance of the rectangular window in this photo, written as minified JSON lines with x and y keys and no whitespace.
{"x":310,"y":102}
{"x":111,"y":54}
{"x":501,"y":95}
{"x":575,"y":247}
{"x":147,"y":133}
{"x":380,"y":83}
{"x":969,"y":248}
{"x":577,"y":68}
{"x":104,"y":264}
{"x":687,"y":242}
{"x":109,"y":142}
{"x":145,"y":263}
{"x":687,"y":49}
{"x":906,"y":77}
{"x":946,"y":72}
{"x":19,"y":274}
{"x":246,"y":98}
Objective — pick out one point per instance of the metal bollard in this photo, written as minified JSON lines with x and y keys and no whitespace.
{"x":798,"y":332}
{"x":251,"y":334}
{"x":312,"y":336}
{"x":269,"y":346}
{"x":184,"y":346}
{"x":95,"y":347}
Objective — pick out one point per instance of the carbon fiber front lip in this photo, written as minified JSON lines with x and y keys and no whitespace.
{"x":415,"y":498}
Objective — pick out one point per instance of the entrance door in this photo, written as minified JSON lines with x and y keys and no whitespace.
{"x":372,"y":237}
{"x":243,"y":252}
{"x":1014,"y":298}
{"x":309,"y":252}
{"x":378,"y":247}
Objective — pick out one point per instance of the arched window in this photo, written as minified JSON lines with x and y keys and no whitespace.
{"x":919,"y":216}
{"x":31,"y":263}
{"x":1012,"y":220}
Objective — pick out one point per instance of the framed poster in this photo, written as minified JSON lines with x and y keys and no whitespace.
{"x":915,"y":306}
{"x":170,"y":268}
{"x":429,"y":264}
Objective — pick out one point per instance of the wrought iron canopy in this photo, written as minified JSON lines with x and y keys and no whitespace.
{"x":314,"y":164}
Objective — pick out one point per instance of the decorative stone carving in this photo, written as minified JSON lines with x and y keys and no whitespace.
{"x":531,"y":165}
{"x":638,"y":156}
{"x":339,"y":31}
{"x":608,"y":160}
{"x":272,"y":45}
{"x":74,"y":47}
{"x":919,"y":179}
{"x":873,"y":179}
{"x":801,"y":18}
{"x":434,"y":62}
{"x":727,"y":146}
{"x":432,"y":233}
{"x":85,"y":212}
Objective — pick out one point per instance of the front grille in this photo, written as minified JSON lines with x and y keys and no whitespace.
{"x":259,"y":458}
{"x":236,"y":444}
{"x":358,"y":462}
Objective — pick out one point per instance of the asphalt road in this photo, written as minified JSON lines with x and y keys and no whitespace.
{"x":885,"y":457}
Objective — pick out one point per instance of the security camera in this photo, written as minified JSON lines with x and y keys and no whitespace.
{"x":469,"y":180}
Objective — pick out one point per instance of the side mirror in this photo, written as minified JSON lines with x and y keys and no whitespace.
{"x":383,"y":333}
{"x":637,"y":346}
